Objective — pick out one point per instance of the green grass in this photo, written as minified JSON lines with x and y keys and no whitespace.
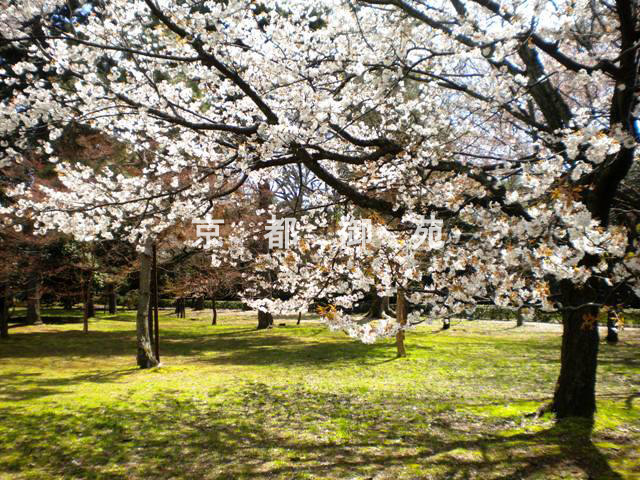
{"x":300,"y":402}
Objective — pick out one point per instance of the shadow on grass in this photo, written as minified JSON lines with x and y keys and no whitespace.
{"x":241,"y":346}
{"x":28,"y":386}
{"x":268,"y":432}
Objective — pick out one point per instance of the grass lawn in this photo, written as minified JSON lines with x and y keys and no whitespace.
{"x":302,"y":402}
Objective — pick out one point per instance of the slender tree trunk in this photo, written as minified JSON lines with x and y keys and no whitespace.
{"x":67,"y":303}
{"x":612,"y":328}
{"x":4,"y":312}
{"x":85,"y":304}
{"x":214,"y":312}
{"x":91,"y":308}
{"x":34,"y":292}
{"x":299,"y":318}
{"x":265,"y":320}
{"x":575,"y":393}
{"x":183,"y":308}
{"x":198,"y":303}
{"x":519,"y":317}
{"x":145,"y":357}
{"x":111,"y":298}
{"x":401,"y":317}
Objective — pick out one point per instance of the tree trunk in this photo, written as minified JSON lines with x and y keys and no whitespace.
{"x":401,"y":317}
{"x":520,"y":317}
{"x":214,"y":312}
{"x":379,"y":307}
{"x":111,"y":298}
{"x":156,"y":301}
{"x":575,"y":394}
{"x":150,"y":326}
{"x":145,"y":357}
{"x":198,"y":303}
{"x":91,"y":309}
{"x":4,"y":312}
{"x":612,"y":327}
{"x":67,"y":303}
{"x":265,"y":320}
{"x":85,"y":304}
{"x":34,"y":291}
{"x":299,"y":318}
{"x":180,"y":307}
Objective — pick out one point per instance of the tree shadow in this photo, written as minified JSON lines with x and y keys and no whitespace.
{"x":29,"y":386}
{"x":242,"y":346}
{"x":268,"y":432}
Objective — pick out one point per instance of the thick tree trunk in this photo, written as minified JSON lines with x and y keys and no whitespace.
{"x":145,"y":357}
{"x":4,"y":312}
{"x":156,"y":301}
{"x":34,"y":292}
{"x":111,"y":298}
{"x":214,"y":312}
{"x":612,"y":327}
{"x":520,"y":317}
{"x":150,"y":325}
{"x":575,"y":394}
{"x":265,"y":320}
{"x":379,"y":307}
{"x":401,"y":317}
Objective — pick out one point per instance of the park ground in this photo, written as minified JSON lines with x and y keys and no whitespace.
{"x":295,"y":402}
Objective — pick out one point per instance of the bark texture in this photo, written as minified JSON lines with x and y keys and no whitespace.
{"x":401,"y":317}
{"x":520,"y":317}
{"x":575,"y":393}
{"x":34,"y":292}
{"x":612,"y":327}
{"x":265,"y":320}
{"x":4,"y":312}
{"x":145,"y":357}
{"x":198,"y":303}
{"x":111,"y":298}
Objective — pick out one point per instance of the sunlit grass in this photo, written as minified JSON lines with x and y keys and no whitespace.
{"x":302,"y":402}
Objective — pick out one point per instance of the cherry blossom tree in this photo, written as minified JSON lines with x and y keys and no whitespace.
{"x":514,"y":122}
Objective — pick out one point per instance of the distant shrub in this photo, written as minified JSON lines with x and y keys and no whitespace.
{"x":222,"y":304}
{"x":130,"y":300}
